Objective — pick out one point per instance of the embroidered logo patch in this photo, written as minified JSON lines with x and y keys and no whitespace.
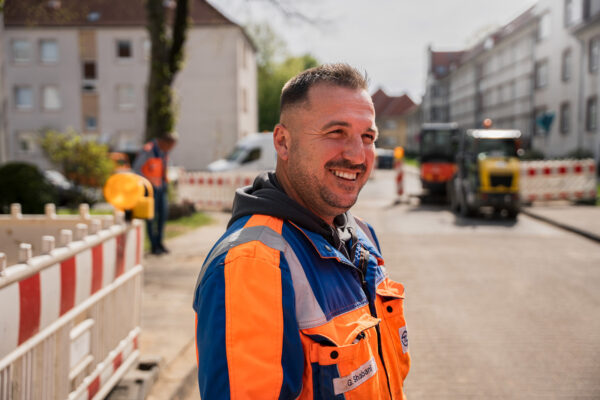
{"x":403,"y":339}
{"x":356,"y":377}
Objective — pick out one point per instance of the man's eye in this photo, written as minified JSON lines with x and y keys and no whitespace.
{"x":369,"y":138}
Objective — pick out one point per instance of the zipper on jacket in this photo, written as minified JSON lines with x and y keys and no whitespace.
{"x":363,"y":263}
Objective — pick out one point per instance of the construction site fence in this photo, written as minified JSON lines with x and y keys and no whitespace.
{"x":212,"y":190}
{"x":548,"y":180}
{"x":545,"y":180}
{"x":70,"y":303}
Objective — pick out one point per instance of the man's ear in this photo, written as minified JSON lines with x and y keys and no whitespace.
{"x":281,"y":140}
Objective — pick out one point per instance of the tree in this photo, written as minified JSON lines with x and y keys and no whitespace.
{"x":165,"y":61}
{"x":272,"y":73}
{"x":270,"y":83}
{"x":83,"y":162}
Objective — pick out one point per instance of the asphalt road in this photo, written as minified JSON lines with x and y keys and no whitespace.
{"x":496,"y":309}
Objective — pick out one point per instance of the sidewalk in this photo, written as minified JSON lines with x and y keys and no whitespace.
{"x":167,"y":315}
{"x":583,"y":220}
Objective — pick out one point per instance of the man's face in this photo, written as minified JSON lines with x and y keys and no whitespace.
{"x":331,"y":149}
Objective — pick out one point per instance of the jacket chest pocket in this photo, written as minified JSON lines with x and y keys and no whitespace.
{"x":346,"y":370}
{"x":394,"y":335}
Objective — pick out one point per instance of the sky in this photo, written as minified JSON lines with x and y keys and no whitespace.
{"x":386,"y":38}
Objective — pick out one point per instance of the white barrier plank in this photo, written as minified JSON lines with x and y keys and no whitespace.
{"x":50,"y":296}
{"x":9,"y":323}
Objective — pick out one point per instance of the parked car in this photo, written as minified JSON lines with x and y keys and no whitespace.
{"x":253,"y":152}
{"x":67,"y":193}
{"x":385,"y":158}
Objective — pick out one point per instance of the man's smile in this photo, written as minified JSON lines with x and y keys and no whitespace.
{"x":350,"y":176}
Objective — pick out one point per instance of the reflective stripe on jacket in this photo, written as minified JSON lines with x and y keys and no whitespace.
{"x":280,"y":314}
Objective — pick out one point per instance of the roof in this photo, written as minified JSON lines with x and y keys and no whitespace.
{"x":89,"y":13}
{"x":391,"y":106}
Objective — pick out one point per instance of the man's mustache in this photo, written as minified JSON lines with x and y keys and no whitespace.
{"x":345,"y":164}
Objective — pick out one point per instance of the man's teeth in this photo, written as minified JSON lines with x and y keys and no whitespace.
{"x":345,"y":175}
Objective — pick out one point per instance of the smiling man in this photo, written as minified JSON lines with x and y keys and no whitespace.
{"x":293,"y":302}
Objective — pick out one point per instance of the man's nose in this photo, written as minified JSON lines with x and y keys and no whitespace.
{"x":354,"y":149}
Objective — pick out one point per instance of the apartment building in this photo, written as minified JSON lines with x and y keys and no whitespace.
{"x":493,"y":79}
{"x":587,"y":32}
{"x":539,"y":66}
{"x":556,"y":77}
{"x":440,"y":65}
{"x":84,"y":66}
{"x":390,"y":117}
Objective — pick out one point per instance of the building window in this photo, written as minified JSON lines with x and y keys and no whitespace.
{"x":594,"y":54}
{"x":544,"y":27}
{"x":89,"y":70}
{"x":591,"y":114}
{"x":538,"y":114}
{"x":23,"y":97}
{"x":51,"y":98}
{"x":124,"y":50}
{"x":125,"y":97}
{"x":565,"y":118}
{"x":21,"y":51}
{"x":566,"y":65}
{"x":28,"y":142}
{"x":48,"y":51}
{"x":541,"y":74}
{"x":91,"y":123}
{"x":569,"y":12}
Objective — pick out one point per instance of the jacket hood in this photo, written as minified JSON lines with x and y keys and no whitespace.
{"x":266,"y":196}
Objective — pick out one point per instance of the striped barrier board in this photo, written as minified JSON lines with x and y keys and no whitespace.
{"x":573,"y":180}
{"x":70,"y":312}
{"x":212,"y":190}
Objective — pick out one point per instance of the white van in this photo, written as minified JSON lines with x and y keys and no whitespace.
{"x":254,"y":152}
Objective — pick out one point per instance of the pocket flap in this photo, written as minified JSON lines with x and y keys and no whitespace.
{"x":390,"y":290}
{"x":340,"y":333}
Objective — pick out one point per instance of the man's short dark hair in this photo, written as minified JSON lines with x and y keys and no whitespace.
{"x":295,"y":91}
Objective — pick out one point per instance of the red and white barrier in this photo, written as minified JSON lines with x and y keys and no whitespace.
{"x":70,"y":312}
{"x":573,"y":180}
{"x":399,"y":168}
{"x":212,"y":190}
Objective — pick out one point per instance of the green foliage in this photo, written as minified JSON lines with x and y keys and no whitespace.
{"x":24,"y":184}
{"x":411,"y":161}
{"x":270,"y":83}
{"x":580,"y":154}
{"x":532,"y":154}
{"x":84,"y":162}
{"x":275,"y":68}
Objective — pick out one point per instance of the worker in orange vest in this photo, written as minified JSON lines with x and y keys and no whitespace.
{"x":151,"y":163}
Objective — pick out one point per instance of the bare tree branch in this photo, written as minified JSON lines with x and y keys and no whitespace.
{"x":291,"y":12}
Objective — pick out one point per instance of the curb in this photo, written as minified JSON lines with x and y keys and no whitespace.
{"x":176,"y":380}
{"x":580,"y":232}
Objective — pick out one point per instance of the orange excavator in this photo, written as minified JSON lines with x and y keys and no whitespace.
{"x":438,"y":144}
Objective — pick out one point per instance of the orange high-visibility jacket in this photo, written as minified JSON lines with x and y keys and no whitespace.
{"x":151,"y":163}
{"x":280,"y":314}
